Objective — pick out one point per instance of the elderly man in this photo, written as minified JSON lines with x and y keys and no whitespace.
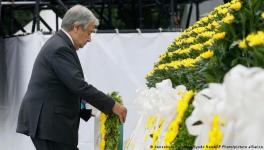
{"x":50,"y":110}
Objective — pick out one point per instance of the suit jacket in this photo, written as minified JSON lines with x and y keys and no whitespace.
{"x":51,"y":106}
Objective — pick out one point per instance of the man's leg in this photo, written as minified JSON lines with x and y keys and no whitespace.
{"x":50,"y":145}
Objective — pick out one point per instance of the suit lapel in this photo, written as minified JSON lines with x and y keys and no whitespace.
{"x":68,"y":41}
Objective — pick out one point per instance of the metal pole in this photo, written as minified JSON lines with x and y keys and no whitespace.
{"x":37,"y":15}
{"x":110,"y":12}
{"x":1,"y":24}
{"x":189,"y":15}
{"x":172,"y":14}
{"x":197,"y":10}
{"x":65,"y":8}
{"x":57,"y":22}
{"x":140,"y":15}
{"x":45,"y":23}
{"x":11,"y":20}
{"x":23,"y":3}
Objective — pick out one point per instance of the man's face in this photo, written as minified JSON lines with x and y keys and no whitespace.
{"x":83,"y":35}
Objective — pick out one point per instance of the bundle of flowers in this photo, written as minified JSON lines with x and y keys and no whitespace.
{"x":161,"y":113}
{"x":231,"y":34}
{"x":230,"y":114}
{"x":109,"y":128}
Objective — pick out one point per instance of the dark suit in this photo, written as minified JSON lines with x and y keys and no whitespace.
{"x":51,"y":106}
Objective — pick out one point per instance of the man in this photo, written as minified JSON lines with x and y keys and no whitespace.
{"x":50,"y":110}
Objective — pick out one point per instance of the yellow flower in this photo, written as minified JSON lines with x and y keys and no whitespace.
{"x":223,"y":11}
{"x":219,"y":36}
{"x":255,"y":39}
{"x":227,"y":5}
{"x":157,"y":133}
{"x":236,"y":6}
{"x":173,"y":128}
{"x":178,"y":43}
{"x":228,"y":19}
{"x":216,"y":24}
{"x":196,"y":47}
{"x":188,"y":62}
{"x":215,"y":134}
{"x":183,"y":51}
{"x":207,"y":34}
{"x":103,"y":118}
{"x":209,"y":42}
{"x":209,"y":26}
{"x":210,"y":16}
{"x":243,"y":44}
{"x":150,"y":73}
{"x":162,"y":56}
{"x":190,"y":40}
{"x":102,"y":145}
{"x":204,"y":19}
{"x":199,"y":30}
{"x":207,"y":54}
{"x":262,"y":15}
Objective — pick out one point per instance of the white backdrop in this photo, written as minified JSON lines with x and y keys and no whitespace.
{"x":111,"y":62}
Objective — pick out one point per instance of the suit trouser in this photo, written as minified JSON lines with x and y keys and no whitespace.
{"x":41,"y":144}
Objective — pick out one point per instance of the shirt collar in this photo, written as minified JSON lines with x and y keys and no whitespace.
{"x":68,"y":35}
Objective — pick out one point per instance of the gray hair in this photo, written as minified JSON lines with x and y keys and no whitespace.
{"x":78,"y":15}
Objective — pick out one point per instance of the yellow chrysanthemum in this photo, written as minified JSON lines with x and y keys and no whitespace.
{"x":196,"y":47}
{"x":209,"y":26}
{"x":190,"y":40}
{"x":210,"y":16}
{"x":173,"y":128}
{"x":183,"y":51}
{"x":209,"y":42}
{"x":255,"y":39}
{"x":236,"y":6}
{"x":228,"y":19}
{"x":262,"y":15}
{"x":223,"y":11}
{"x":208,"y":34}
{"x":227,"y":5}
{"x":216,"y":24}
{"x":219,"y":36}
{"x":199,"y":30}
{"x":207,"y":54}
{"x":178,"y":43}
{"x":215,"y":134}
{"x":103,"y":118}
{"x":156,"y":134}
{"x":204,"y":19}
{"x":188,"y":62}
{"x":243,"y":44}
{"x":102,"y":145}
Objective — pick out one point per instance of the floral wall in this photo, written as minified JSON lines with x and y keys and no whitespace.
{"x":231,"y":34}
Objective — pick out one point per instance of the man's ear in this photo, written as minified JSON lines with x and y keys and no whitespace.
{"x":76,"y":28}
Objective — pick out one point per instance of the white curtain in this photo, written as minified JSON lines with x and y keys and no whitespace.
{"x":111,"y":62}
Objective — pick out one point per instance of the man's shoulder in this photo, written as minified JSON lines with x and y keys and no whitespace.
{"x":56,"y":42}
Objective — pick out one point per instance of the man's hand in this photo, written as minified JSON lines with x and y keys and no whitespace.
{"x":121,"y":111}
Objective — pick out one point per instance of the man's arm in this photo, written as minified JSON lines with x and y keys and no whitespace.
{"x":69,"y":72}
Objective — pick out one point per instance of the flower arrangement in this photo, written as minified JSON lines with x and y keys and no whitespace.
{"x":161,"y":112}
{"x":173,"y":128}
{"x":215,"y":135}
{"x":230,"y":112}
{"x":109,"y":128}
{"x":231,"y":34}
